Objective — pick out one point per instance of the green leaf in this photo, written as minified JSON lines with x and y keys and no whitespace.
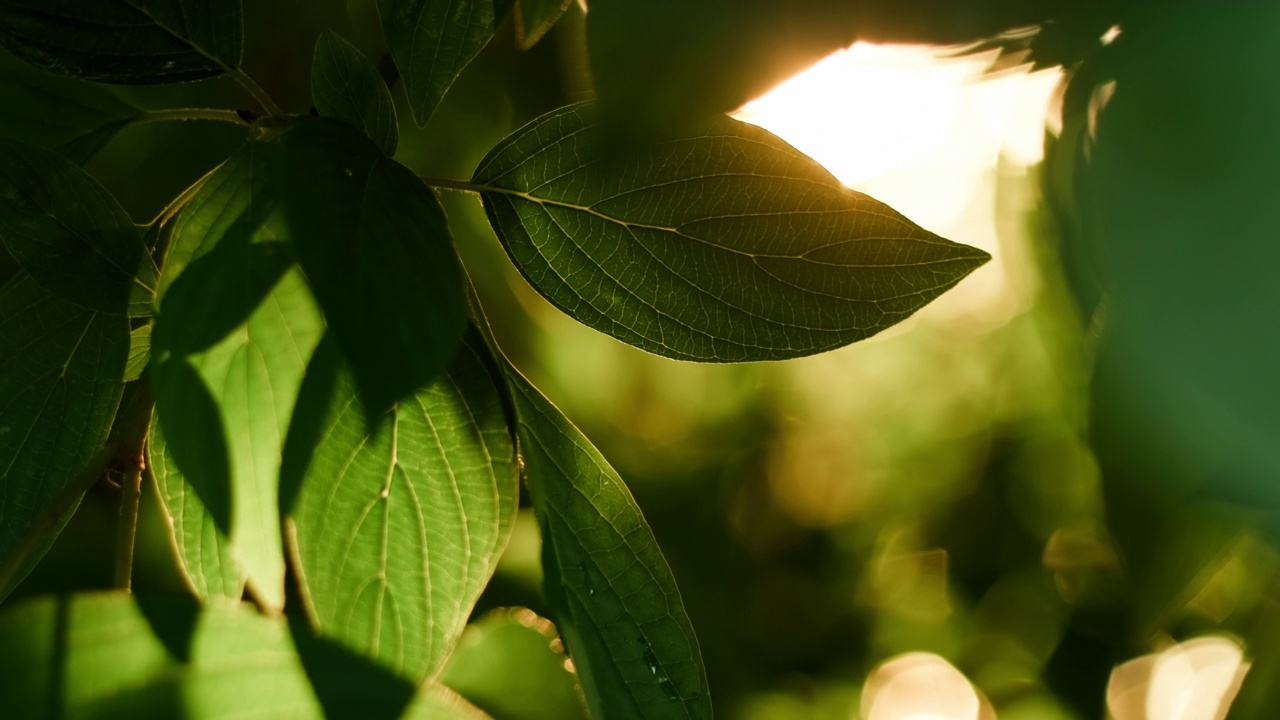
{"x":75,"y":118}
{"x":127,"y":42}
{"x":233,"y":336}
{"x":616,"y":602}
{"x":396,"y":530}
{"x":375,"y":247}
{"x":71,"y":234}
{"x":139,"y":352}
{"x":60,"y":384}
{"x":346,"y":86}
{"x":433,"y":41}
{"x":535,"y":17}
{"x":510,"y":664}
{"x":726,"y":245}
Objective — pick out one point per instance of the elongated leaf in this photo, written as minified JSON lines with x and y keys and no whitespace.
{"x":60,"y":384}
{"x":108,"y":655}
{"x":233,"y":336}
{"x":725,"y":246}
{"x":128,"y":42}
{"x":534,"y":18}
{"x":71,"y":234}
{"x":346,"y":85}
{"x":375,"y":247}
{"x":75,"y":118}
{"x":509,"y":664}
{"x":432,"y":41}
{"x":617,"y":605}
{"x":395,"y":531}
{"x":139,"y":353}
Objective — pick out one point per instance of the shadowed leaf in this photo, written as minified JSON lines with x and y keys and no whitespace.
{"x":346,"y":85}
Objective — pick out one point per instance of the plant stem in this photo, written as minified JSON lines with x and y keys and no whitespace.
{"x":268,"y":105}
{"x":464,"y":185}
{"x":216,"y":114}
{"x":127,"y":527}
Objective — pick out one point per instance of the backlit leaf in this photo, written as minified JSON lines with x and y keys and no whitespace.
{"x":139,"y":352}
{"x":535,"y":17}
{"x":346,"y":85}
{"x":74,"y":117}
{"x":432,"y":41}
{"x":71,"y":234}
{"x":233,"y":335}
{"x":616,"y":602}
{"x":60,"y":384}
{"x":396,"y":530}
{"x":128,"y":42}
{"x":375,"y":248}
{"x":726,"y":245}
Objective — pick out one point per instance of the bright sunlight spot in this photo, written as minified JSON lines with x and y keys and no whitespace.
{"x":926,"y":134}
{"x":921,"y":686}
{"x":1195,"y":680}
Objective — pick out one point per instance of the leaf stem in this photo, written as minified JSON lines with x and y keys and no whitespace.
{"x":268,"y":105}
{"x":219,"y":115}
{"x":134,"y":424}
{"x":464,"y":185}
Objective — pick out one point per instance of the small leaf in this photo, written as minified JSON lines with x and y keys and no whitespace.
{"x":127,"y":42}
{"x":71,"y":234}
{"x":233,"y":336}
{"x":376,"y":251}
{"x":727,"y":245}
{"x":346,"y":86}
{"x":74,"y":117}
{"x":534,"y":18}
{"x":139,"y":353}
{"x":616,"y":602}
{"x":61,"y":370}
{"x":433,"y":41}
{"x":396,"y":530}
{"x":506,"y":664}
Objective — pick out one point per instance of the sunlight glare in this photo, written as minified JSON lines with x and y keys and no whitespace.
{"x":1194,"y":680}
{"x":921,"y":686}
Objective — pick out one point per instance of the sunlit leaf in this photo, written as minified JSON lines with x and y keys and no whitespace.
{"x":727,"y":245}
{"x":108,"y":655}
{"x":139,"y":352}
{"x":616,"y":602}
{"x":375,"y":248}
{"x":346,"y":85}
{"x":71,"y":234}
{"x":74,"y":117}
{"x":535,"y":17}
{"x":397,"y":529}
{"x":233,"y":335}
{"x":432,"y":41}
{"x":129,"y":42}
{"x":510,"y":664}
{"x":60,"y":384}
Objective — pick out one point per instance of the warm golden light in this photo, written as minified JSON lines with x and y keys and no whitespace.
{"x":921,"y":686}
{"x":1194,"y":680}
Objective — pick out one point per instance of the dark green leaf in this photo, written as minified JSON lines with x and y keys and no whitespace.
{"x":129,"y":42}
{"x":509,"y":664}
{"x":110,"y":655}
{"x":535,"y":17}
{"x":432,"y":41}
{"x":616,"y":602}
{"x":60,"y":384}
{"x":233,"y":336}
{"x":346,"y":86}
{"x":139,"y":352}
{"x":375,"y":247}
{"x":727,"y":245}
{"x":71,"y":234}
{"x":396,"y":530}
{"x":75,"y":118}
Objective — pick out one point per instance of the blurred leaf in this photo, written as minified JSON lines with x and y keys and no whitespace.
{"x":71,"y":234}
{"x":72,"y":116}
{"x":727,"y":245}
{"x":375,"y":247}
{"x":617,"y":605}
{"x":233,"y":335}
{"x":139,"y":352}
{"x":506,"y":664}
{"x":116,"y":655}
{"x":433,"y":41}
{"x":535,"y":17}
{"x":346,"y":85}
{"x":61,"y":370}
{"x":128,"y":42}
{"x":401,"y":517}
